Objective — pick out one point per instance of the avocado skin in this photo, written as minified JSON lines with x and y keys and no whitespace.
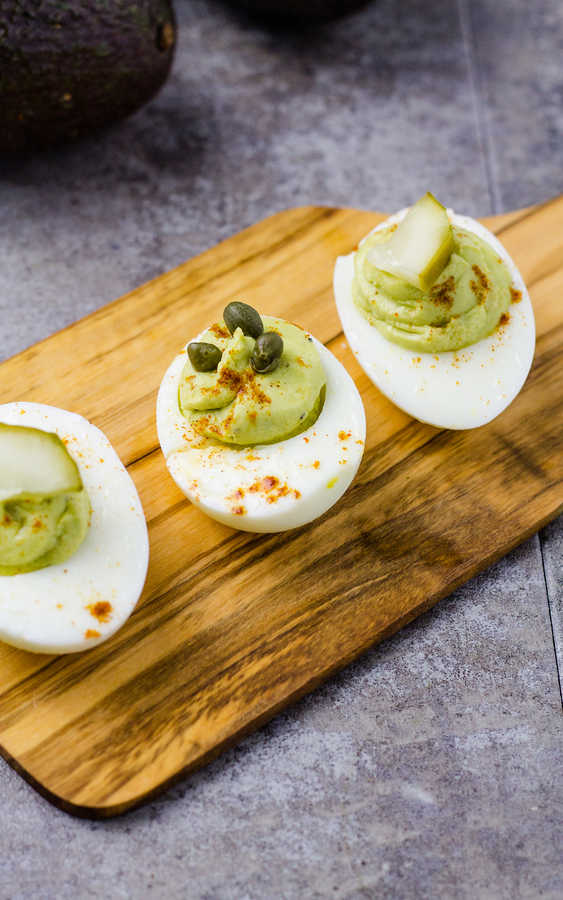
{"x":68,"y":68}
{"x":300,"y":10}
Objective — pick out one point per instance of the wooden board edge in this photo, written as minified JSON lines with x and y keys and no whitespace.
{"x":163,"y":276}
{"x":496,"y":223}
{"x":110,"y":811}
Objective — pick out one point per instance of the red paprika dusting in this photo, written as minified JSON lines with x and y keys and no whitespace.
{"x":443,"y":293}
{"x":101,"y":610}
{"x":481,"y":286}
{"x":219,"y":331}
{"x":273,"y":489}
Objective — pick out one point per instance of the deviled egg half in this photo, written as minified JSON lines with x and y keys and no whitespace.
{"x":74,"y":546}
{"x":438,"y":316}
{"x":261,"y":427}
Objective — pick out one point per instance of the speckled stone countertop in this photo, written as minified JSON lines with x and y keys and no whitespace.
{"x":433,"y":766}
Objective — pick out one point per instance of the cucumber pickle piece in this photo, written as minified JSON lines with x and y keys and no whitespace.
{"x":34,"y":462}
{"x":420,"y":247}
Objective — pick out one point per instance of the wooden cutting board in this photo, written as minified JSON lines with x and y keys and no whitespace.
{"x":232,"y":627}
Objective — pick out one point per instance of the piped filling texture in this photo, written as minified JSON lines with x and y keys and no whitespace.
{"x":237,"y":405}
{"x":41,"y":530}
{"x":465,"y":304}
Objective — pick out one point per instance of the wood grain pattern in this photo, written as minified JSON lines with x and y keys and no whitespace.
{"x":232,"y":627}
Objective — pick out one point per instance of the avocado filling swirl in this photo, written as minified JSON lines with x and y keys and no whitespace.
{"x":241,"y":406}
{"x":40,"y":530}
{"x":464,"y":305}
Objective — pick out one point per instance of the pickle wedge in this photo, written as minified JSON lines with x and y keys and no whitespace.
{"x":420,"y":247}
{"x":34,"y":462}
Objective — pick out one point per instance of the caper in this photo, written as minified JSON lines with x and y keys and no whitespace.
{"x":241,"y":315}
{"x":267,"y":352}
{"x":204,"y":357}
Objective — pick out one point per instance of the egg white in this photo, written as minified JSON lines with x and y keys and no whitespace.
{"x":313,"y":468}
{"x":455,"y":389}
{"x":46,"y":611}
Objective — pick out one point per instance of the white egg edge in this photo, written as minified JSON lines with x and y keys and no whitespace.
{"x":30,"y":597}
{"x":386,"y":360}
{"x":288,"y":512}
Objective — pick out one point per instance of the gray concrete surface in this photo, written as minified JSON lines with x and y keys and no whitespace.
{"x":431,"y":768}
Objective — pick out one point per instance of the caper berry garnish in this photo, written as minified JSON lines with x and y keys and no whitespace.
{"x":241,"y":315}
{"x":204,"y":357}
{"x":267,"y":352}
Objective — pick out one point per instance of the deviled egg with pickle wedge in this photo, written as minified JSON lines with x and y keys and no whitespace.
{"x":260,"y":425}
{"x":437,"y":315}
{"x":73,"y":538}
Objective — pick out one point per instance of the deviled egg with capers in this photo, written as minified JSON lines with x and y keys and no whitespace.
{"x":261,"y":427}
{"x":73,"y":538}
{"x":438,"y":316}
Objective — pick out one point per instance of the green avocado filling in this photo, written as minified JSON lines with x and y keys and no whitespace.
{"x":463,"y":305}
{"x":237,"y":405}
{"x":38,"y":530}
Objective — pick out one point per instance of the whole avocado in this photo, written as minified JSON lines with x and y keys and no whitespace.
{"x":300,"y":10}
{"x":68,"y":68}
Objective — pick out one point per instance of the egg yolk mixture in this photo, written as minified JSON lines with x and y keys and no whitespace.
{"x":464,"y":305}
{"x":236,"y":405}
{"x":39,"y":530}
